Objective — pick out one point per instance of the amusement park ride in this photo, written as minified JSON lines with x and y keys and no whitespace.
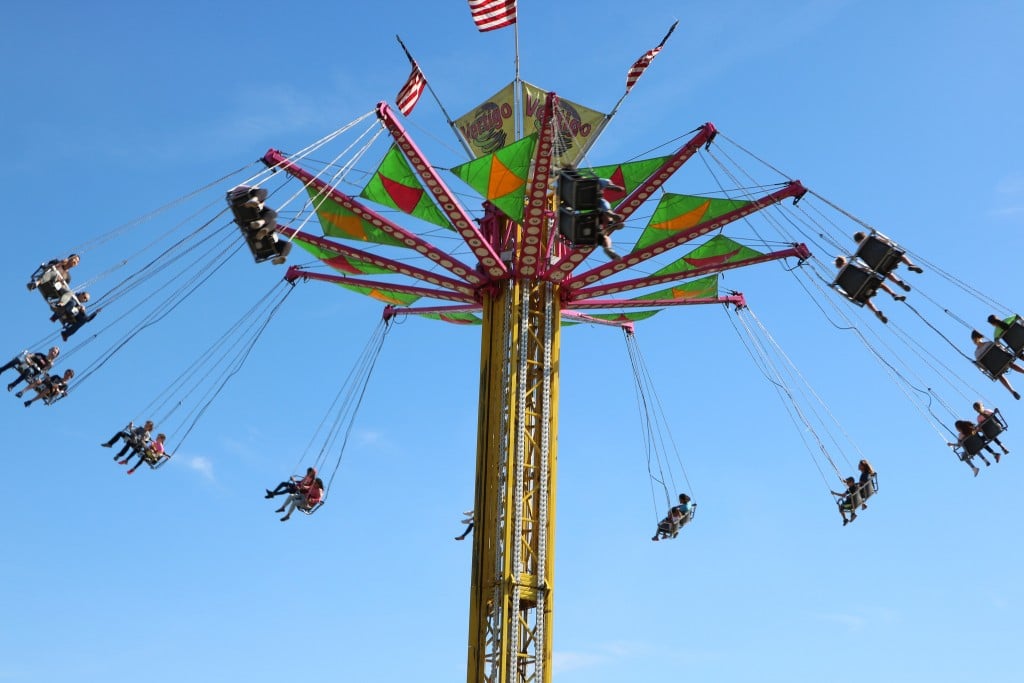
{"x":530,"y":267}
{"x":523,"y":284}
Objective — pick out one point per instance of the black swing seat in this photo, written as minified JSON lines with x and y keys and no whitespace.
{"x":995,"y":361}
{"x":268,"y":248}
{"x":258,"y":224}
{"x":970,"y":447}
{"x":579,"y":217}
{"x":857,"y":282}
{"x":56,"y":284}
{"x":992,"y":426}
{"x":246,"y":203}
{"x":1013,"y":337}
{"x":879,"y":253}
{"x":578,"y":192}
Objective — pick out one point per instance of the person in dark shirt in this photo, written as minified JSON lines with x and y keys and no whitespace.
{"x":31,"y":365}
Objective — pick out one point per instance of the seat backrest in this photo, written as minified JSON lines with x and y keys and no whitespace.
{"x":879,"y":254}
{"x":688,"y":516}
{"x":973,"y":444}
{"x":995,"y":361}
{"x":859,"y":283}
{"x":991,"y":427}
{"x":1014,"y":337}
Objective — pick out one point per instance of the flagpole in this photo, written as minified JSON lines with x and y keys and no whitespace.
{"x":516,"y":89}
{"x":451,"y":124}
{"x":628,"y":90}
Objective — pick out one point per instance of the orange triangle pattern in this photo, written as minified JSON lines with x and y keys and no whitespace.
{"x":684,"y":220}
{"x":348,"y":226}
{"x":502,"y":181}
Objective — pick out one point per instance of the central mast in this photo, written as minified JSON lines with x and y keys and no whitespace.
{"x":513,"y":547}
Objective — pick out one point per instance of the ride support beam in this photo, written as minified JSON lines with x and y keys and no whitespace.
{"x":792,"y":189}
{"x":275,"y":159}
{"x":531,"y":254}
{"x":441,"y":310}
{"x":799,"y":251}
{"x":734,"y":299}
{"x":445,"y":198}
{"x":379,"y":261}
{"x":383,"y":287}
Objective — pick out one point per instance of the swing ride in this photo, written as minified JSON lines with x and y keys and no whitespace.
{"x":520,"y":264}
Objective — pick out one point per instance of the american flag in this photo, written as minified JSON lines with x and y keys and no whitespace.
{"x":411,"y":92}
{"x":493,"y":14}
{"x":640,"y":65}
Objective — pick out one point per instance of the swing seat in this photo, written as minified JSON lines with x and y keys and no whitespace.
{"x":860,"y":495}
{"x":993,"y":425}
{"x":1013,"y":337}
{"x":269,"y":248}
{"x":68,"y":313}
{"x":970,"y":446}
{"x":687,"y":518}
{"x":580,"y":228}
{"x":310,"y":510}
{"x":995,"y":361}
{"x":159,"y":463}
{"x":246,"y":203}
{"x":578,"y":192}
{"x":858,"y":283}
{"x":667,"y":529}
{"x":153,"y":459}
{"x":670,"y":529}
{"x":53,"y":398}
{"x":26,"y":368}
{"x":879,"y":253}
{"x":55,"y":286}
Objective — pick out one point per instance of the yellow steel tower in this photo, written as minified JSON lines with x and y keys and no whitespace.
{"x":513,"y":545}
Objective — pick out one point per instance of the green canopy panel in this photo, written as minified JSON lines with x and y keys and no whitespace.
{"x":455,"y":317}
{"x":501,"y":176}
{"x":344,"y":264}
{"x":717,"y":251}
{"x":629,"y":176}
{"x":701,"y":288}
{"x":337,"y":221}
{"x":383,"y":294}
{"x":396,"y":186}
{"x":625,"y":317}
{"x":677,"y":212}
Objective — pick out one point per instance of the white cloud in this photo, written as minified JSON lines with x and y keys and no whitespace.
{"x":1012,"y":184}
{"x":370,"y":438}
{"x":1008,"y":212}
{"x":574,"y":661}
{"x":857,"y":622}
{"x":852,"y":622}
{"x":203,"y":466}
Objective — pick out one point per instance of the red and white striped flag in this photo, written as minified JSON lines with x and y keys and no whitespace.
{"x":640,"y":66}
{"x":493,"y":14}
{"x":411,"y":92}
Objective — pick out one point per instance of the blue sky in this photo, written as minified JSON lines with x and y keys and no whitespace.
{"x":905,"y":117}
